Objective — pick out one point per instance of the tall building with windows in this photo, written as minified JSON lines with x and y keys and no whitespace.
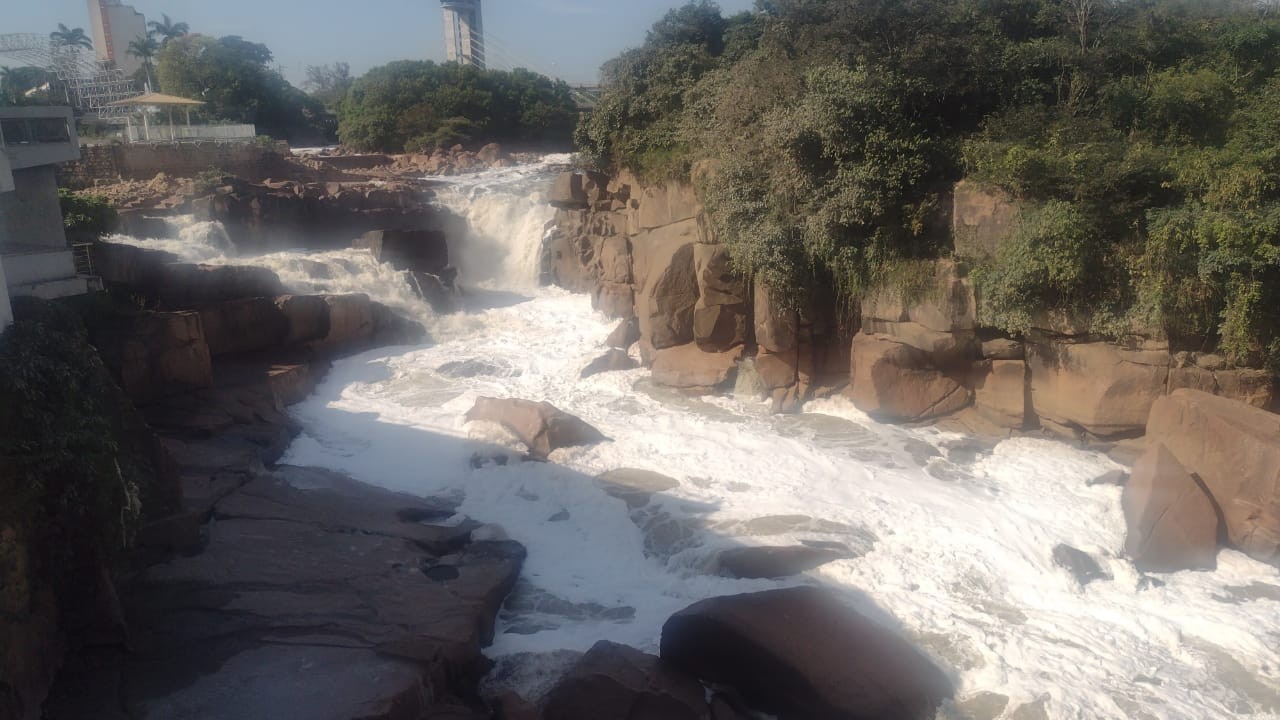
{"x":463,"y":32}
{"x":115,"y":25}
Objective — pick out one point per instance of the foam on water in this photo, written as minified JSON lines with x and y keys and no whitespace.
{"x":955,"y":538}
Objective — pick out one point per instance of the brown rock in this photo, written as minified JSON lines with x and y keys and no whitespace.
{"x":1172,"y":522}
{"x":616,"y":682}
{"x":614,"y":300}
{"x":155,"y":355}
{"x":1099,"y":387}
{"x":242,"y":326}
{"x":615,"y":260}
{"x":1003,"y":349}
{"x":539,"y":425}
{"x":777,"y":370}
{"x":307,"y":317}
{"x":612,"y":361}
{"x":946,"y":306}
{"x":801,"y":653}
{"x":567,"y":192}
{"x":895,"y":382}
{"x":1235,"y":451}
{"x":184,"y":286}
{"x":717,"y":328}
{"x":625,"y":335}
{"x":776,"y":328}
{"x":1000,"y":392}
{"x":662,"y":205}
{"x":689,"y":368}
{"x":351,"y":320}
{"x":668,"y":285}
{"x":418,"y":250}
{"x":982,"y":219}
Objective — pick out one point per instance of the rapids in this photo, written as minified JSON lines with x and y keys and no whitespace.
{"x":952,"y":537}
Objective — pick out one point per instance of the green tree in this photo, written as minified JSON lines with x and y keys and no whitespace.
{"x":168,"y":29}
{"x":421,"y":105}
{"x":231,"y":75}
{"x":144,"y":48}
{"x":74,"y":38}
{"x":329,"y":83}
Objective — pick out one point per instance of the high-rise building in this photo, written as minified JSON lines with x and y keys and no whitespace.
{"x":115,"y":25}
{"x":463,"y":32}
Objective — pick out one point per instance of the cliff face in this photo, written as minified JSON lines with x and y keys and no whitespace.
{"x":644,"y":252}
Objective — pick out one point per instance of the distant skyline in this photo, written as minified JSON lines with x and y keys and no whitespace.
{"x":569,"y":39}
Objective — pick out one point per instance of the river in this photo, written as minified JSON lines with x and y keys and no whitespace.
{"x":952,"y":537}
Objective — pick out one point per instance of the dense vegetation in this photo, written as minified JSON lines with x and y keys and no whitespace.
{"x":415,"y":106}
{"x":86,"y":217}
{"x":1143,"y":136}
{"x":234,"y":78}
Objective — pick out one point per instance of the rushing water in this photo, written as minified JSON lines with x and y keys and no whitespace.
{"x":953,"y":538}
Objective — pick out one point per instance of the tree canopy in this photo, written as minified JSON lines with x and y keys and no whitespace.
{"x":420,"y":105}
{"x":233,"y":77}
{"x":1142,"y":136}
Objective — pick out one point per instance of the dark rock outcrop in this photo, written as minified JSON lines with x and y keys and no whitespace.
{"x":799,"y":653}
{"x":418,"y":250}
{"x":1079,"y":563}
{"x":541,"y":426}
{"x":612,"y":361}
{"x":1172,"y":522}
{"x":616,"y":682}
{"x":777,"y":562}
{"x":625,"y":335}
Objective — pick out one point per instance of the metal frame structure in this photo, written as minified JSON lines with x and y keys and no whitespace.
{"x":87,"y":85}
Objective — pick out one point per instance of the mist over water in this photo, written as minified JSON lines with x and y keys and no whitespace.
{"x":952,"y":537}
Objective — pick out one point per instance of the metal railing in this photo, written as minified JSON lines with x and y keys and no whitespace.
{"x":82,"y":256}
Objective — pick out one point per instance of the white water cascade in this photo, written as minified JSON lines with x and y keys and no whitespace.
{"x":952,"y":538}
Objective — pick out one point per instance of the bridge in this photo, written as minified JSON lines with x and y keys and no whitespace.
{"x":84,"y":83}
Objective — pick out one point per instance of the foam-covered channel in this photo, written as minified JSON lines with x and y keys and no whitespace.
{"x":949,"y":539}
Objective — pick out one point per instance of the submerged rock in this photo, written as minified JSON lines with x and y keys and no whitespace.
{"x":616,"y":682}
{"x":779,"y":562}
{"x":625,"y":335}
{"x":1081,"y":566}
{"x":800,"y":653}
{"x":541,"y":426}
{"x":613,"y":361}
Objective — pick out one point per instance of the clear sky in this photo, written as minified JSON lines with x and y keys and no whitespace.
{"x":566,"y":38}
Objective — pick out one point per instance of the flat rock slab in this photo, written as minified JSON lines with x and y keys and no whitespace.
{"x":779,"y":562}
{"x":541,"y":426}
{"x":317,"y":597}
{"x":635,"y":486}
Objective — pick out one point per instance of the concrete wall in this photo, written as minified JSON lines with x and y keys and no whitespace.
{"x":30,"y":215}
{"x":111,"y":163}
{"x":31,"y":154}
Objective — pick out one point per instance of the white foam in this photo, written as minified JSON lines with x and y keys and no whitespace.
{"x":962,"y":565}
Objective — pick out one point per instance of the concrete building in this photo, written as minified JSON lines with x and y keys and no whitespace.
{"x":463,"y":32}
{"x":115,"y":25}
{"x":34,"y":256}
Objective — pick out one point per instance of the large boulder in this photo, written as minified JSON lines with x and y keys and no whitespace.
{"x":667,"y":284}
{"x":1100,"y":388}
{"x":775,"y":327}
{"x":616,"y":682}
{"x":1235,"y":451}
{"x":624,"y":335}
{"x":242,"y":326}
{"x":801,"y":654}
{"x":1172,"y":522}
{"x":1000,"y":392}
{"x":155,"y":355}
{"x":1253,"y":387}
{"x":662,"y":205}
{"x":614,"y":360}
{"x":541,"y":426}
{"x":184,"y":286}
{"x":894,"y":382}
{"x":720,"y":319}
{"x":307,"y":317}
{"x":689,"y":368}
{"x":567,"y":192}
{"x":419,"y":250}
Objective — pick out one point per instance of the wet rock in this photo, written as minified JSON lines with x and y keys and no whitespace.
{"x":777,"y":562}
{"x":1115,"y":477}
{"x":418,"y":250}
{"x":1172,"y":522}
{"x":1235,"y":450}
{"x":1098,"y":387}
{"x":625,"y":335}
{"x":616,"y":682}
{"x":306,"y":317}
{"x":689,"y":368}
{"x":541,"y":426}
{"x":1081,"y":566}
{"x":1000,"y":392}
{"x":612,"y":361}
{"x":437,"y":290}
{"x":567,"y":192}
{"x":243,"y":326}
{"x":476,"y":368}
{"x":667,"y":286}
{"x":510,"y":706}
{"x":824,"y":661}
{"x":895,"y":382}
{"x":636,"y":486}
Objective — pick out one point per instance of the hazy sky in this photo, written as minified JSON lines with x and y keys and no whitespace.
{"x":565,"y":38}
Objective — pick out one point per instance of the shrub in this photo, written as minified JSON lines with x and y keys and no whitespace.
{"x":86,"y":217}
